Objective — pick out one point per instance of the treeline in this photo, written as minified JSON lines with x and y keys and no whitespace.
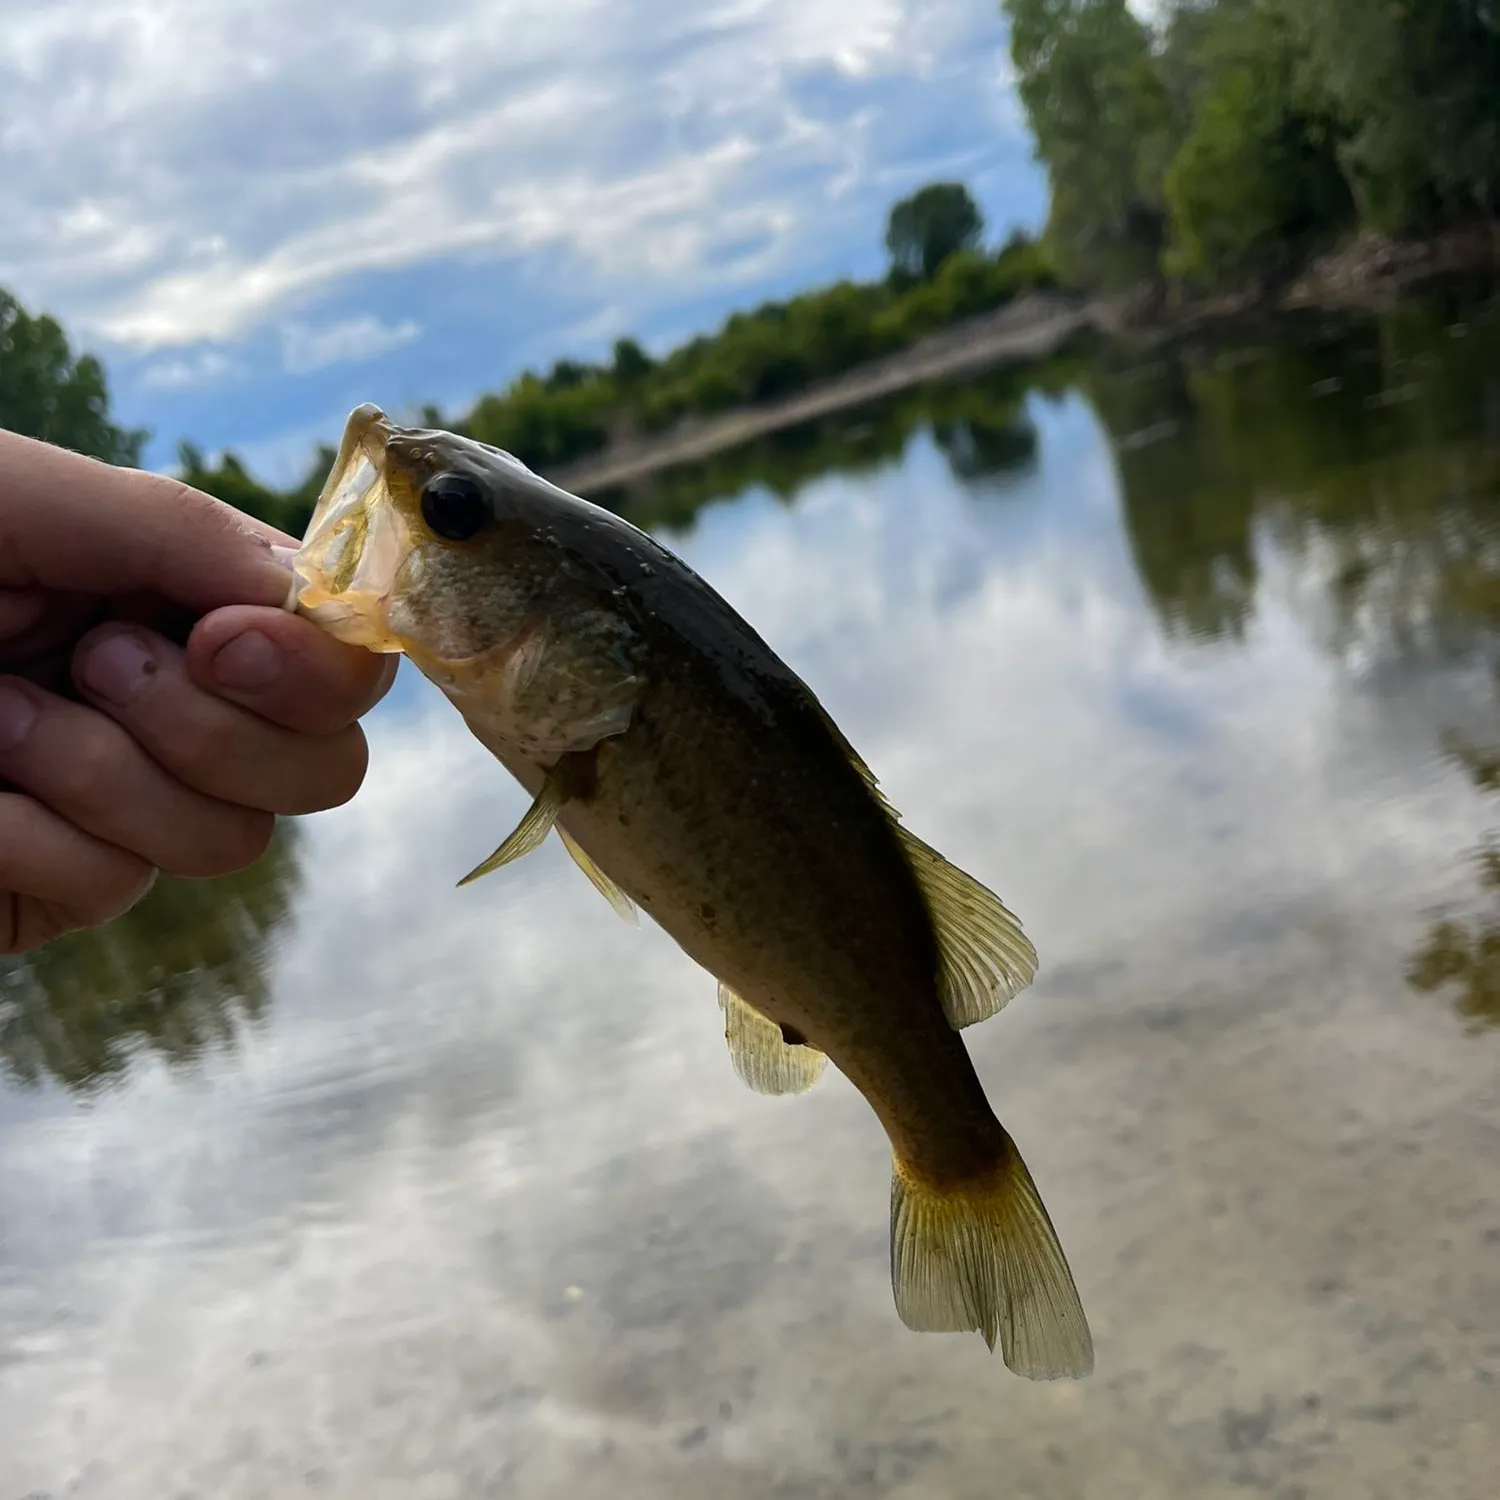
{"x":1230,"y":139}
{"x":47,"y":392}
{"x":939,"y":272}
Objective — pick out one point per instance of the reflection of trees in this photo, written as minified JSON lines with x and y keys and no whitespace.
{"x":1368,"y":456}
{"x":980,"y":426}
{"x":1368,"y":450}
{"x":177,"y":976}
{"x":1466,"y":954}
{"x":1187,"y":506}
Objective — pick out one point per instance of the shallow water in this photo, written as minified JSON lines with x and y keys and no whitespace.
{"x":336,"y":1180}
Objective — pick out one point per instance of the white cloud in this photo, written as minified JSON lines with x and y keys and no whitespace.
{"x":189,"y":372}
{"x":180,"y":172}
{"x":304,"y":349}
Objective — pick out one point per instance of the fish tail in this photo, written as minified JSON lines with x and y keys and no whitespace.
{"x":982,"y":1256}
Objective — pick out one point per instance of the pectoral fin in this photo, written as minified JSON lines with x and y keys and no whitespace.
{"x":984,"y":958}
{"x":563,"y":782}
{"x":600,"y":881}
{"x":760,"y":1053}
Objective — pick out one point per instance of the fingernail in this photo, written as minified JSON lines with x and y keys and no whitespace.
{"x":118,"y":667}
{"x":17,"y":715}
{"x":284,"y":555}
{"x":247,"y":663}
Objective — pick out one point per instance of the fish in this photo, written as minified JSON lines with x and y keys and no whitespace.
{"x":692,"y":775}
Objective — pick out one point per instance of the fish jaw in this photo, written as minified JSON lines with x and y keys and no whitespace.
{"x":355,"y":543}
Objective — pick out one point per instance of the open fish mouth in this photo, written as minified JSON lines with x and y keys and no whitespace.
{"x":355,"y":542}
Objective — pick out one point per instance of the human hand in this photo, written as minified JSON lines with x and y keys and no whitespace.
{"x":158,"y":705}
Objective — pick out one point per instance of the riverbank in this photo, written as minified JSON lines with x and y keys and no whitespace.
{"x":1369,"y":272}
{"x":1032,"y":327}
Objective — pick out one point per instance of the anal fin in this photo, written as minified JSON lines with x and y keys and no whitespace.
{"x":600,"y":881}
{"x":760,"y":1054}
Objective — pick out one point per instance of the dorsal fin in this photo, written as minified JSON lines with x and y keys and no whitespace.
{"x":985,"y":959}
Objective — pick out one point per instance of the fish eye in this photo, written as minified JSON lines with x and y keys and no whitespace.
{"x":454,"y":507}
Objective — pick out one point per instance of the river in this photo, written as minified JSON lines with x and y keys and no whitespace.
{"x":332,"y":1179}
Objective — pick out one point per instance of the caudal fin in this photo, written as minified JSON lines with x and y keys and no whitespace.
{"x":984,"y":1257}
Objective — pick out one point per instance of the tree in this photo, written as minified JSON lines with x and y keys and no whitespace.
{"x":46,"y":393}
{"x":935,"y":222}
{"x":1413,"y":85}
{"x":1256,"y":182}
{"x":1104,"y":127}
{"x":230,"y":481}
{"x":632,"y":363}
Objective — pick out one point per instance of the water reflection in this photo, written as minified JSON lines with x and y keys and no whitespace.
{"x":180,"y":975}
{"x":479,"y":1207}
{"x":1377,"y":440}
{"x":981,"y":426}
{"x":1463,"y":954}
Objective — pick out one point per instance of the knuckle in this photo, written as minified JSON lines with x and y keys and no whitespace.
{"x":87,"y":771}
{"x":202,"y":747}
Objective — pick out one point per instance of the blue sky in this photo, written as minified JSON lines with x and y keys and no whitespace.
{"x":263,"y":212}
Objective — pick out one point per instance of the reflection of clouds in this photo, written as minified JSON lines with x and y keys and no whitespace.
{"x":486,"y":1204}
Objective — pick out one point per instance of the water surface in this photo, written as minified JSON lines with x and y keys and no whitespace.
{"x":332,"y":1179}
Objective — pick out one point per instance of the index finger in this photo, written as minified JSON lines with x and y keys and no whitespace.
{"x":74,"y":523}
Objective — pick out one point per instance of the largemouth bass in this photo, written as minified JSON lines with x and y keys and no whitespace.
{"x":692,"y":774}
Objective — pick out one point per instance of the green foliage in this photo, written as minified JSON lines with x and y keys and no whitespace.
{"x":1256,"y":179}
{"x":546,"y":422}
{"x":980,"y":425}
{"x":937,"y":221}
{"x":774,"y":351}
{"x":1413,"y":85}
{"x":1394,"y":499}
{"x":631,"y":363}
{"x":1239,"y":135}
{"x":1104,"y":128}
{"x":47,"y":393}
{"x":765,"y":354}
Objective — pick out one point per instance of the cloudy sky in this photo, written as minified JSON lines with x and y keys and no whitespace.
{"x":263,"y":212}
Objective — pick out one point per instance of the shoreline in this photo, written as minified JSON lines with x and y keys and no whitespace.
{"x":1367,"y":273}
{"x":1034,"y":326}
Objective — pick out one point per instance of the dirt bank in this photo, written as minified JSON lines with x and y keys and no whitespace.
{"x":1032,"y":327}
{"x":1369,"y":271}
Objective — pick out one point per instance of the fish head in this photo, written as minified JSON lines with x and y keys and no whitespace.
{"x":413,"y":546}
{"x":454,"y":553}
